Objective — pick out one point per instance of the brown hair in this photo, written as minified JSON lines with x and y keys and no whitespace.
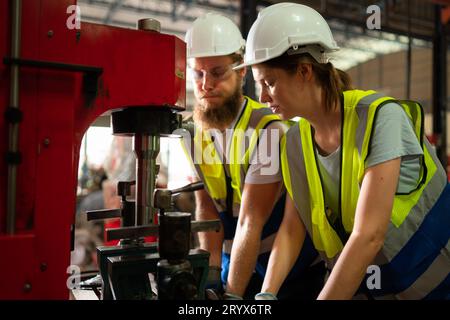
{"x":333,"y":81}
{"x":237,"y":57}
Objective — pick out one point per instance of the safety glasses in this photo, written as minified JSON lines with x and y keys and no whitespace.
{"x":217,"y":74}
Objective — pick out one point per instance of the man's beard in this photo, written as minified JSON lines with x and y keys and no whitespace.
{"x":219,"y":116}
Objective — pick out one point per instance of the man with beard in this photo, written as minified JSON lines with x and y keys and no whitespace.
{"x":235,"y":153}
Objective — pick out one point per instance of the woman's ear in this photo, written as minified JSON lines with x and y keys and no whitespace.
{"x":304,"y":70}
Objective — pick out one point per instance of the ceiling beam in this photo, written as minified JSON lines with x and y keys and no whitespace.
{"x":115,"y":5}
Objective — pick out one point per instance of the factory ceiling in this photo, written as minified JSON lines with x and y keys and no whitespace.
{"x":399,"y":19}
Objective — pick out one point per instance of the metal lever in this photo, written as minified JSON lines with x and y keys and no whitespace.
{"x":103,"y":214}
{"x":162,"y":201}
{"x":206,"y":225}
{"x":188,"y":188}
{"x":131,"y":232}
{"x":152,"y":230}
{"x":163,"y":197}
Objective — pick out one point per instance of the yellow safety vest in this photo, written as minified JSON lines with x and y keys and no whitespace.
{"x":254,"y":117}
{"x":354,"y":154}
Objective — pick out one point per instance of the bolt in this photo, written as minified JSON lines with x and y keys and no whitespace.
{"x":43,"y":266}
{"x":46,"y":142}
{"x":78,"y":35}
{"x":50,"y":33}
{"x":27,"y":287}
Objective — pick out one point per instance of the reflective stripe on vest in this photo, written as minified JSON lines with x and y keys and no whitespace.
{"x":302,"y":178}
{"x":210,"y":168}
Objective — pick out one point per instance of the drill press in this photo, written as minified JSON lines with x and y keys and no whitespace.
{"x":57,"y":80}
{"x":181,"y":273}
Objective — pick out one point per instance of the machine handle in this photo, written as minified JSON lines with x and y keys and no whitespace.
{"x":153,"y":230}
{"x":190,"y":187}
{"x":103,"y":214}
{"x":205,"y":225}
{"x":163,"y":197}
{"x":131,"y":232}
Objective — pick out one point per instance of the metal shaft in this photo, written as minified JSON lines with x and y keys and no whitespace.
{"x":146,"y":148}
{"x":16,"y":17}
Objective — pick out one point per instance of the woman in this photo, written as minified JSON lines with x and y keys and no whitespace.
{"x":363,"y":181}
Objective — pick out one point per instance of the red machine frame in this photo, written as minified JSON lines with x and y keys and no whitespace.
{"x":139,"y":69}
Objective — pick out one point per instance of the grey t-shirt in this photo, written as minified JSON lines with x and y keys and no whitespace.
{"x":393,"y":137}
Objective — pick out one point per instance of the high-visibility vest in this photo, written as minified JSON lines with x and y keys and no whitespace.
{"x":301,"y":176}
{"x":209,"y":164}
{"x":226,"y":192}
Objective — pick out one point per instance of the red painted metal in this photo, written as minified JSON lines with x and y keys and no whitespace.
{"x":140,"y":69}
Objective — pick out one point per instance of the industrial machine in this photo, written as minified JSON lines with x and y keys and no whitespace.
{"x":57,"y":76}
{"x":180,"y":272}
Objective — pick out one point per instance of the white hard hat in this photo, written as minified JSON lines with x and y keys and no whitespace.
{"x":288,"y":26}
{"x":213,"y":35}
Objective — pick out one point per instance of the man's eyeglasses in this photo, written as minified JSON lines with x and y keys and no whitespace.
{"x":217,"y":73}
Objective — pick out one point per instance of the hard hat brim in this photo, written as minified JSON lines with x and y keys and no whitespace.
{"x":209,"y":54}
{"x":250,"y":63}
